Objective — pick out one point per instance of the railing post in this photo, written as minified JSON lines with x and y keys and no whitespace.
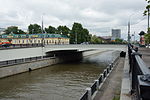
{"x":89,"y":93}
{"x":97,"y":84}
{"x":102,"y":77}
{"x":112,"y":65}
{"x":134,"y":71}
{"x":109,"y":66}
{"x":108,"y":70}
{"x":144,"y":87}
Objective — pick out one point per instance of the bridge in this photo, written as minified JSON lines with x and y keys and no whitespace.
{"x":40,"y":51}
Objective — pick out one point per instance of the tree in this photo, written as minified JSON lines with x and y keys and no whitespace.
{"x":51,"y":30}
{"x":147,"y":12}
{"x":63,"y":30}
{"x":95,"y":40}
{"x":21,"y":31}
{"x":34,"y":29}
{"x":79,"y":34}
{"x":147,"y":38}
{"x":117,"y":40}
{"x":14,"y":29}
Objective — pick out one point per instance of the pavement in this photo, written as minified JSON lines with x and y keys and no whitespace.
{"x":112,"y":86}
{"x":145,"y":55}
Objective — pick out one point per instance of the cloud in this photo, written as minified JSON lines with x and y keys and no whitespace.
{"x":99,"y":16}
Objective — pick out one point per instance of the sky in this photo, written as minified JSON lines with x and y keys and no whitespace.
{"x":98,"y":16}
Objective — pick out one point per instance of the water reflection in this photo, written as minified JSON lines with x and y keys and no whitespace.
{"x":57,"y":82}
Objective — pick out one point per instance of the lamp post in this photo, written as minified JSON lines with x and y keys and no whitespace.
{"x":129,"y":22}
{"x":148,"y":31}
{"x":42,"y":37}
{"x":42,"y":33}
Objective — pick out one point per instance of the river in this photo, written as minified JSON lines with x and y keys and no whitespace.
{"x":57,"y":82}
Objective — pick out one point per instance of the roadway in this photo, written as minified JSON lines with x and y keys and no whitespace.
{"x":9,"y":54}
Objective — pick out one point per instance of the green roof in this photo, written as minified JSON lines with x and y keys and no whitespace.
{"x":33,"y":36}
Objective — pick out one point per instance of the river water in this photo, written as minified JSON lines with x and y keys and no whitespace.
{"x":57,"y":82}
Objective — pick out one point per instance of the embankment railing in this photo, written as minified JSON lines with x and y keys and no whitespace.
{"x":89,"y":93}
{"x":22,"y":60}
{"x":140,"y":74}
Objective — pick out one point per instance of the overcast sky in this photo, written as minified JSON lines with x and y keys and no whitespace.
{"x":98,"y":16}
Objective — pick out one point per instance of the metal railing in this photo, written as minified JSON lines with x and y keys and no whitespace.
{"x":140,"y":75}
{"x":22,"y":60}
{"x":95,"y":86}
{"x":15,"y":46}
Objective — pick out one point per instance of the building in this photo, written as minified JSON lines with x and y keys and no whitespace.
{"x":116,"y":33}
{"x":105,"y":39}
{"x":25,"y":39}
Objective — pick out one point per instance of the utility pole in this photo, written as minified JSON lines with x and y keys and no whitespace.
{"x":129,"y":31}
{"x":134,"y":37}
{"x":42,"y":38}
{"x":148,"y":22}
{"x":42,"y":33}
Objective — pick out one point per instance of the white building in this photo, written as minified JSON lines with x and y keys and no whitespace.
{"x":116,"y":33}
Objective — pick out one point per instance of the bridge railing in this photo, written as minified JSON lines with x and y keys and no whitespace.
{"x":22,"y":60}
{"x":140,"y":75}
{"x":88,"y":95}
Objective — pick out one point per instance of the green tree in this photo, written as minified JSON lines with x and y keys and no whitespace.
{"x":147,"y":38}
{"x":147,"y":12}
{"x":34,"y":29}
{"x":63,"y":30}
{"x":79,"y":34}
{"x":14,"y":29}
{"x":117,"y":40}
{"x":95,"y":40}
{"x":51,"y":30}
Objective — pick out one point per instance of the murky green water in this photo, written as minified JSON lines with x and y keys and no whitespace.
{"x":57,"y":82}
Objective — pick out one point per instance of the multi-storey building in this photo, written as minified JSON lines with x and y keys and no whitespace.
{"x":116,"y":33}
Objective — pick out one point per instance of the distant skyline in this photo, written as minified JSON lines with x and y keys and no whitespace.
{"x":98,"y":16}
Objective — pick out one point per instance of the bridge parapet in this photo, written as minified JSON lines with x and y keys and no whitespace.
{"x":140,"y":74}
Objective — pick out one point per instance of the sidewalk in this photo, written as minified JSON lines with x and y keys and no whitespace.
{"x":145,"y":55}
{"x":112,"y":86}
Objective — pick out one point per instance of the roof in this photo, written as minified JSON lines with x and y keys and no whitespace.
{"x":33,"y":36}
{"x":105,"y":37}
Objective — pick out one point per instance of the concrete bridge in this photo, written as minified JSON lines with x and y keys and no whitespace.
{"x":40,"y":51}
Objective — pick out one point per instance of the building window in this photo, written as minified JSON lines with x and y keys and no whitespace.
{"x":39,"y":41}
{"x":22,"y":41}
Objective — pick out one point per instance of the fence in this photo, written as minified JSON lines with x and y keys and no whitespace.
{"x":140,"y":74}
{"x":95,"y":86}
{"x":15,"y":46}
{"x":23,"y":60}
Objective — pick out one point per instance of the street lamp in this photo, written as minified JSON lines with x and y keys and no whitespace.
{"x":129,"y":22}
{"x":42,"y":33}
{"x":148,"y":20}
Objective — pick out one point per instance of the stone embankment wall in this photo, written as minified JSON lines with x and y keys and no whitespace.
{"x":12,"y":67}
